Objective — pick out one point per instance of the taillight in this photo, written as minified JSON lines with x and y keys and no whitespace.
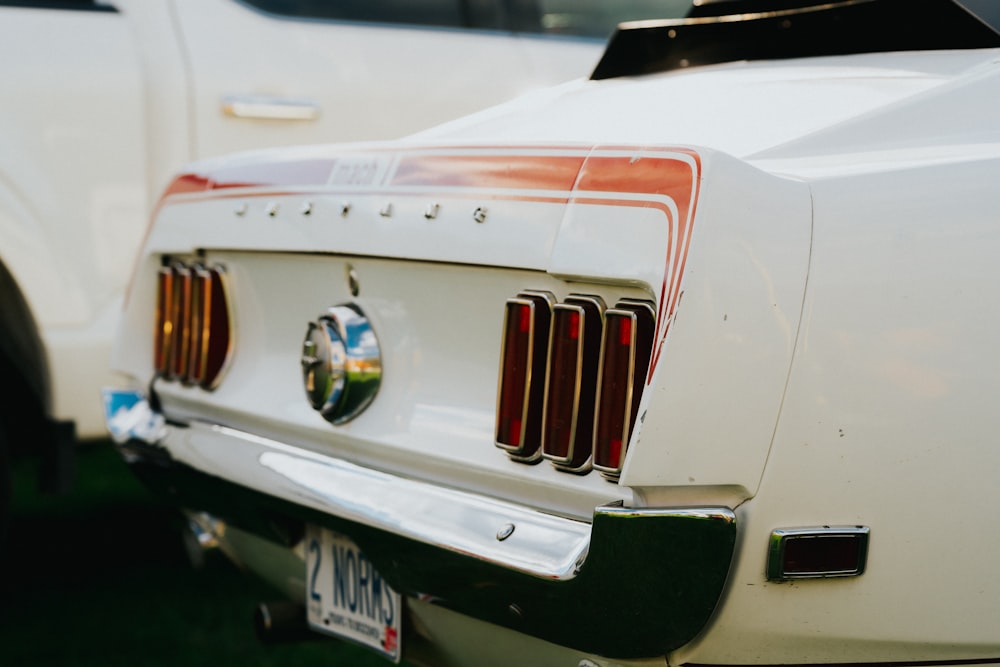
{"x":181,"y":317}
{"x":193,"y":338}
{"x":571,"y":378}
{"x":625,"y":353}
{"x":163,"y":336}
{"x":216,"y":342}
{"x":523,"y":357}
{"x":571,"y":382}
{"x":201,"y":335}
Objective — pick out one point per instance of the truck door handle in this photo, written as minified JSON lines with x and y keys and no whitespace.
{"x":268,"y":107}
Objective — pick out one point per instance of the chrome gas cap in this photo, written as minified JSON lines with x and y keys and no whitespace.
{"x":341,"y":364}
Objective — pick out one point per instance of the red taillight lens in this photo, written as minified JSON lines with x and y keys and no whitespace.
{"x":163,"y":335}
{"x":201,"y":300}
{"x":193,"y":338}
{"x":527,"y":321}
{"x":625,"y":355}
{"x":571,"y":382}
{"x":219,"y":344}
{"x":181,"y":317}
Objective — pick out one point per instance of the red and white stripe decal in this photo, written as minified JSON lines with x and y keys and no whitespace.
{"x":664,"y":179}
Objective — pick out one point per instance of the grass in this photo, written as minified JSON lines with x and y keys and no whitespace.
{"x":100,"y":577}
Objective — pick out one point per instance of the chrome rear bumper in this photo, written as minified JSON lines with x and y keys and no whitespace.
{"x":632,"y":583}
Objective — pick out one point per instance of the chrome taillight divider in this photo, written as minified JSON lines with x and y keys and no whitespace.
{"x":193,"y":335}
{"x":571,"y":375}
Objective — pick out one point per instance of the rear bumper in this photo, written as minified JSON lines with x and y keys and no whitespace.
{"x":632,"y":583}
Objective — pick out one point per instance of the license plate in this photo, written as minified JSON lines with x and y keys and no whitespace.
{"x":347,"y":598}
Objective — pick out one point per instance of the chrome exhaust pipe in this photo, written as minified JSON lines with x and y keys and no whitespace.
{"x":281,"y":622}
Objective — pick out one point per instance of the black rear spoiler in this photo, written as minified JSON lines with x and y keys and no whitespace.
{"x":778,"y":29}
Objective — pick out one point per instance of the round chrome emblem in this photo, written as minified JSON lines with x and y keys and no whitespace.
{"x":341,"y":364}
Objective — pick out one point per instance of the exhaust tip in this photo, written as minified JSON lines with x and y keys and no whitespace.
{"x":281,"y":622}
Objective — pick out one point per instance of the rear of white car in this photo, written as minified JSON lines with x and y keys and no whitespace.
{"x":687,"y":368}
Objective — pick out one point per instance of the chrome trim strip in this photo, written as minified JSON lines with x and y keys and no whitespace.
{"x":541,"y":545}
{"x":712,"y":513}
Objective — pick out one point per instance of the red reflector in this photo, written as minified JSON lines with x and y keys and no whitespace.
{"x":524,"y":319}
{"x":515,"y":432}
{"x":573,"y":330}
{"x":616,"y":449}
{"x":523,"y":357}
{"x":821,"y":554}
{"x":625,"y":355}
{"x":572,"y":382}
{"x":812,"y":553}
{"x":625,"y":331}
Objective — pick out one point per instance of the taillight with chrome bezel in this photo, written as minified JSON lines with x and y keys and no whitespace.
{"x":625,"y":353}
{"x":571,"y":382}
{"x":571,"y":377}
{"x":164,"y":332}
{"x":193,"y":335}
{"x":180,"y":316}
{"x":523,"y":358}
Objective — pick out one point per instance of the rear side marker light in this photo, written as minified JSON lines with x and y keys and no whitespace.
{"x":625,"y":354}
{"x":193,"y":338}
{"x":523,"y":359}
{"x":571,"y":382}
{"x":817,"y":553}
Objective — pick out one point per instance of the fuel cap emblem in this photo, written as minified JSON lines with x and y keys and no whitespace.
{"x":341,"y":363}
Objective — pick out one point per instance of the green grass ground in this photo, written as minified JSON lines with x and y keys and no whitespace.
{"x":99,"y":577}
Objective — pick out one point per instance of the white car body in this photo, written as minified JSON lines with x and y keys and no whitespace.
{"x":818,"y":239}
{"x":104,"y":101}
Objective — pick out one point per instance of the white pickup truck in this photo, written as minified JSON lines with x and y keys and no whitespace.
{"x":103,"y":101}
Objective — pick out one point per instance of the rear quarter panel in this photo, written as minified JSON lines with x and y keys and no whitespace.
{"x":709,"y":413}
{"x":889,"y":422}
